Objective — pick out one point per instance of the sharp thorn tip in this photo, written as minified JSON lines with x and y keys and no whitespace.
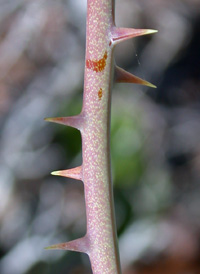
{"x":55,"y":173}
{"x":151,"y":31}
{"x":51,"y":247}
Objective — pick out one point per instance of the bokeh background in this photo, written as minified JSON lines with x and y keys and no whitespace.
{"x":155,"y":137}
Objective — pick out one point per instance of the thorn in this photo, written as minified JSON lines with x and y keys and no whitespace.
{"x":121,"y":34}
{"x":79,"y":245}
{"x":75,"y":173}
{"x":123,"y":76}
{"x":72,"y":121}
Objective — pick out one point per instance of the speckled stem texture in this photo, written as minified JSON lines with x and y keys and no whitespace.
{"x":100,"y":241}
{"x":96,"y":137}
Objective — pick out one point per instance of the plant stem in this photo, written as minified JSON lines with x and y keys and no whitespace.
{"x":101,"y":227}
{"x":100,"y":241}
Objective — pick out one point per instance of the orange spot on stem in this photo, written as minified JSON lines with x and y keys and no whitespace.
{"x":97,"y":65}
{"x":100,"y":93}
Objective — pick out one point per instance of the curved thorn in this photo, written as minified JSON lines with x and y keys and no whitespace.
{"x":123,"y":76}
{"x":79,"y":245}
{"x":74,"y":173}
{"x":121,"y":34}
{"x":72,"y":121}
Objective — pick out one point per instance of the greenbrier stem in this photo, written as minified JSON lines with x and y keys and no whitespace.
{"x":100,"y":241}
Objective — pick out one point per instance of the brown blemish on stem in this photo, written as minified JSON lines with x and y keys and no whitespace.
{"x":97,"y":65}
{"x":100,"y":93}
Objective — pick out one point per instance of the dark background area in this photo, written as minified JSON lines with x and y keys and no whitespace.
{"x":154,"y":137}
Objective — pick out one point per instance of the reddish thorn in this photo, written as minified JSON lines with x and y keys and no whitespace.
{"x":74,"y":173}
{"x":79,"y":245}
{"x":122,"y":34}
{"x":72,"y":121}
{"x":122,"y":76}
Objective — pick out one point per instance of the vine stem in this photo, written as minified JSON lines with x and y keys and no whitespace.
{"x":100,"y":241}
{"x":101,"y":227}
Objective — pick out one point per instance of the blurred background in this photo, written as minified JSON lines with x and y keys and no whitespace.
{"x":155,"y":139}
